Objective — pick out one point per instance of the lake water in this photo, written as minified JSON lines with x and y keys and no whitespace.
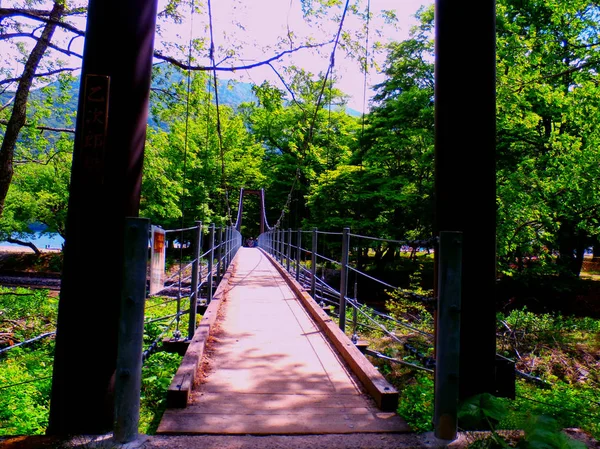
{"x":42,"y":241}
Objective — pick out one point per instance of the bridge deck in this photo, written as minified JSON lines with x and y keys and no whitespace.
{"x":268,"y":369}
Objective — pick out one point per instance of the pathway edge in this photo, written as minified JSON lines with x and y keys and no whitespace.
{"x":184,"y":379}
{"x":384,"y":394}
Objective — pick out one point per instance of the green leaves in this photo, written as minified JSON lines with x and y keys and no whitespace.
{"x":481,"y":411}
{"x":544,"y":432}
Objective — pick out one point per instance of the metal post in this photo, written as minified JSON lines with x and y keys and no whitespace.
{"x":219,"y":254}
{"x":447,"y":342}
{"x":228,"y":246}
{"x":289,"y":250}
{"x":157,"y":260}
{"x":211,"y":260}
{"x":280,"y":245}
{"x":355,"y":313}
{"x":298,"y":253}
{"x":131,"y":330}
{"x":313,"y":263}
{"x":344,"y":277}
{"x":200,"y":246}
{"x":225,"y":249}
{"x":194,"y":293}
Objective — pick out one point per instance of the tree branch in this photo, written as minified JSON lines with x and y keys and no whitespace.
{"x":50,"y":45}
{"x":42,"y":16}
{"x":185,"y":66}
{"x":40,"y":75}
{"x":22,"y":243}
{"x":290,"y":91}
{"x":19,"y":113}
{"x":44,"y":128}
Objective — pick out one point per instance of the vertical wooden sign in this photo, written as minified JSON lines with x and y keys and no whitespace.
{"x":95,"y":125}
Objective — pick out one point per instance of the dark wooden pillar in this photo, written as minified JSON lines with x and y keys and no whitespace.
{"x":465,"y":182}
{"x":105,"y":188}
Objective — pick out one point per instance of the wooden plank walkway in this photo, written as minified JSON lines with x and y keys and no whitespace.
{"x":268,"y":369}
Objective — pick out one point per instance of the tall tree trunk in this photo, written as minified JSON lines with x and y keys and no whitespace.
{"x":571,"y":247}
{"x":19,"y":112}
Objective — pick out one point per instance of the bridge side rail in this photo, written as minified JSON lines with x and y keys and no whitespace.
{"x":300,"y":267}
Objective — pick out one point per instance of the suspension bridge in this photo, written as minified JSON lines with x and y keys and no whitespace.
{"x":274,"y":366}
{"x":105,"y":189}
{"x":267,"y":357}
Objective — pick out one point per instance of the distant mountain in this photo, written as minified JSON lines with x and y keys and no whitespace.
{"x":231,"y":93}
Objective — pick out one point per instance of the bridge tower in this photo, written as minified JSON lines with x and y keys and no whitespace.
{"x":261,"y":198}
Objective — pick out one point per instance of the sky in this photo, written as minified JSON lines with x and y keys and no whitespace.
{"x":265,"y":22}
{"x":251,"y":29}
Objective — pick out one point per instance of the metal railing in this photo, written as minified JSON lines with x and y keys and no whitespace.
{"x":286,"y":246}
{"x":195,"y":281}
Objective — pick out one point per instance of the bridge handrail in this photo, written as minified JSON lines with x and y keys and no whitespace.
{"x":207,"y":269}
{"x":281,"y":244}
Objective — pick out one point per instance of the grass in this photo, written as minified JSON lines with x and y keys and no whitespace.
{"x":26,"y":371}
{"x":562,"y":350}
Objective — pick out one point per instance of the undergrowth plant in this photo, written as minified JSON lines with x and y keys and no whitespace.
{"x":487,"y":411}
{"x":26,"y":371}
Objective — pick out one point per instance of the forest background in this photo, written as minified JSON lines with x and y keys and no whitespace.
{"x":322,"y":165}
{"x":373,"y":173}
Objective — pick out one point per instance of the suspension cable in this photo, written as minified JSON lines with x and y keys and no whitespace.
{"x":309,"y":135}
{"x":365,"y":69}
{"x":220,"y":136}
{"x":177,"y":333}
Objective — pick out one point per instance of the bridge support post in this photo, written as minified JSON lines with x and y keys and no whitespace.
{"x":128,"y":377}
{"x":105,"y":188}
{"x":313,"y":264}
{"x":289,"y":250}
{"x":220,"y":254}
{"x":157,"y":260}
{"x":280,"y":245}
{"x":197,"y":245}
{"x":298,"y":253}
{"x":465,"y":199}
{"x":228,"y":246}
{"x":211,"y":260}
{"x":447,"y":339}
{"x":344,"y":277}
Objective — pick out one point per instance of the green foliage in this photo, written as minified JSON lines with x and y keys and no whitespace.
{"x":546,"y":150}
{"x":25,"y":390}
{"x":482,"y":411}
{"x":156,"y":378}
{"x":188,"y":169}
{"x":25,"y":371}
{"x":415,"y":403}
{"x":544,"y":432}
{"x":540,"y":431}
{"x":570,"y":405}
{"x":306,"y":138}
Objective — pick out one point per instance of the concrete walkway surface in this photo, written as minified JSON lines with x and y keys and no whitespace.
{"x":269,"y":370}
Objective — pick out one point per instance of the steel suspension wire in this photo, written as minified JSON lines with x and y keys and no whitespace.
{"x":177,"y":333}
{"x":309,"y":136}
{"x":366,"y":69}
{"x":219,"y":134}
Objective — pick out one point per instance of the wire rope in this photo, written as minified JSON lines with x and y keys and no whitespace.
{"x":177,"y":333}
{"x":309,"y":135}
{"x":219,"y":133}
